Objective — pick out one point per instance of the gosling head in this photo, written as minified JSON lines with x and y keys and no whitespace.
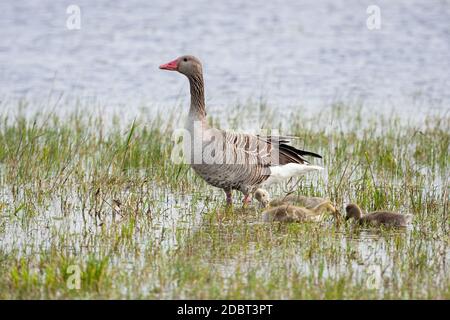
{"x":263,"y":197}
{"x":353,"y":211}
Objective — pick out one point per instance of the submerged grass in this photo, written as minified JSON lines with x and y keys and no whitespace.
{"x":83,"y":196}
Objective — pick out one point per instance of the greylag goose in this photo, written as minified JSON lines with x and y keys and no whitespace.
{"x":229,"y":160}
{"x":290,"y":213}
{"x":263,"y":197}
{"x":377,"y":218}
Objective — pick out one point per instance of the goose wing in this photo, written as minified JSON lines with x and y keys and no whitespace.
{"x":269,"y":150}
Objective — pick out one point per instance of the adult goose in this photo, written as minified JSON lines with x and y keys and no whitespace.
{"x":229,"y":160}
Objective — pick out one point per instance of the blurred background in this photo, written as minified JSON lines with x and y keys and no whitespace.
{"x":285,"y":53}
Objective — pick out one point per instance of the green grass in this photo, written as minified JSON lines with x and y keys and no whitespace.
{"x":103,"y":196}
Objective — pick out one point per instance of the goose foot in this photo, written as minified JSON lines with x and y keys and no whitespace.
{"x":247,"y":200}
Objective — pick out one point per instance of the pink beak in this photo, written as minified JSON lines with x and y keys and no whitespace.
{"x":172,"y":65}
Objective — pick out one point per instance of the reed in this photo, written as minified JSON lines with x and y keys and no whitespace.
{"x":103,"y":196}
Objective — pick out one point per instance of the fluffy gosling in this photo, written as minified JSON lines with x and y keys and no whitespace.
{"x":377,"y":218}
{"x":291,"y":213}
{"x":263,"y":197}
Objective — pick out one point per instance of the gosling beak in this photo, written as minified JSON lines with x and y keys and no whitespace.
{"x":263,"y":205}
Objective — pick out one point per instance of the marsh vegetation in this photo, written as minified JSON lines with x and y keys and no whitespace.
{"x":102,"y":195}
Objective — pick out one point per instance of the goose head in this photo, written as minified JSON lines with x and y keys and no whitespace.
{"x":188,"y":65}
{"x":353,"y":211}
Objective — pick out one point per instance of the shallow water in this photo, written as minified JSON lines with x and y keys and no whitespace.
{"x":371,"y":248}
{"x":284,"y":52}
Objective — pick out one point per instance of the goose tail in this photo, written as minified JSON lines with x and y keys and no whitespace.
{"x":290,"y":170}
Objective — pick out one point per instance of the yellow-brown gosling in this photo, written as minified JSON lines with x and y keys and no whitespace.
{"x":291,"y":213}
{"x":263,"y":197}
{"x":377,"y":218}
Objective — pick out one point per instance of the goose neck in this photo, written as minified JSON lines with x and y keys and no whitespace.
{"x":197,"y":109}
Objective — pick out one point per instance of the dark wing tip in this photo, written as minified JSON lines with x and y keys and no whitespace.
{"x":293,"y":154}
{"x":299,"y":151}
{"x":312,"y":154}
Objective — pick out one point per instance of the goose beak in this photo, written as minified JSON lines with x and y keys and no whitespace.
{"x":172,"y":66}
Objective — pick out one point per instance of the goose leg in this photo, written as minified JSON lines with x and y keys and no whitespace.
{"x":229,"y":197}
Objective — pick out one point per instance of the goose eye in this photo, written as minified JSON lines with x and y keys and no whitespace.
{"x":185,"y":59}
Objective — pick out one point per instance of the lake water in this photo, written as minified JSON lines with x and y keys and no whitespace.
{"x":287,"y":53}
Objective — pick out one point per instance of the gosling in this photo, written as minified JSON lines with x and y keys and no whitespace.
{"x":377,"y":218}
{"x":291,"y":213}
{"x":308,"y":202}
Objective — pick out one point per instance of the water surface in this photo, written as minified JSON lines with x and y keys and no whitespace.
{"x":286,"y":53}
